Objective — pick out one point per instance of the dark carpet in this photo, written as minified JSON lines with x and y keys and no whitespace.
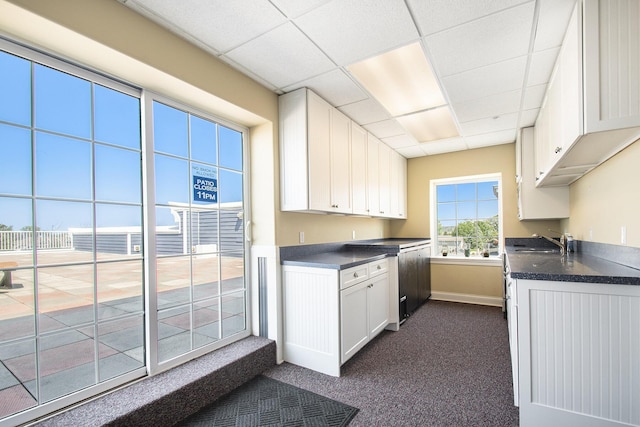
{"x":267,"y":402}
{"x":448,"y":365}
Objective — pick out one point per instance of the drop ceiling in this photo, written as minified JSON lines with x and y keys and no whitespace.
{"x":492,"y":58}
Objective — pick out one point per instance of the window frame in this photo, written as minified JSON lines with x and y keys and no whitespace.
{"x":438,"y":258}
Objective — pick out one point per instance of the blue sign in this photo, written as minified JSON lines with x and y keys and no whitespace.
{"x":205,"y":189}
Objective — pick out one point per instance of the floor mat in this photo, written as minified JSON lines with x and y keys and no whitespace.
{"x":266,"y":402}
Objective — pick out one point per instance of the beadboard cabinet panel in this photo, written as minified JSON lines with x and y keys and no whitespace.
{"x":579,"y":347}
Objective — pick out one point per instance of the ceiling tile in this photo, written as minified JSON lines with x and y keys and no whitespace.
{"x":541,"y":66}
{"x":350,"y":30}
{"x":444,"y":146}
{"x":220,"y":24}
{"x":385,"y":128}
{"x":490,"y":106}
{"x":553,"y":19}
{"x":295,"y":8}
{"x":365,"y":112}
{"x":490,"y":124}
{"x":411,"y":152}
{"x":533,"y":96}
{"x":493,"y":138}
{"x":494,"y":38}
{"x":528,"y":117}
{"x":437,"y":15}
{"x":336,"y":87}
{"x":399,"y":141}
{"x":489,"y":80}
{"x":283,"y":56}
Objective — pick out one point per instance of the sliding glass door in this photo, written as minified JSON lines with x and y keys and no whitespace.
{"x":122,"y":234}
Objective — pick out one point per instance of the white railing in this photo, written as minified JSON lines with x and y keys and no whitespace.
{"x":23,"y":240}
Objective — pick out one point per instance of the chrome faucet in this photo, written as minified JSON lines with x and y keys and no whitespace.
{"x":562,"y":244}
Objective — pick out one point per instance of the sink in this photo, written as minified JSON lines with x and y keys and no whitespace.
{"x":537,"y":251}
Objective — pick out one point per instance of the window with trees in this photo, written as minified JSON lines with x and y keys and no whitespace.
{"x":466,"y":216}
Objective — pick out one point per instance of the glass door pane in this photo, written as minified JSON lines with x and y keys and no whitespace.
{"x":199,"y":231}
{"x":71,"y":260}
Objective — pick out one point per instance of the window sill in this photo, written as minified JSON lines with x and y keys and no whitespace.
{"x":495,"y":260}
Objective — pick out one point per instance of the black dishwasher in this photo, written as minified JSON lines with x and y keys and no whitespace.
{"x":414,"y":278}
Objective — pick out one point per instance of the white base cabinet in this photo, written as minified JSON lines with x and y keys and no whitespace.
{"x":578,"y":353}
{"x":329,"y":315}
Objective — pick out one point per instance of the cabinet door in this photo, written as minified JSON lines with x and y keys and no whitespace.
{"x":319,"y":136}
{"x":570,"y":59}
{"x":398,"y":188}
{"x":402,"y":189}
{"x":359,"y":169}
{"x":340,"y":162}
{"x":354,"y":329}
{"x":384,"y":156}
{"x":373,"y":179}
{"x":611,"y":65}
{"x":378,"y":304}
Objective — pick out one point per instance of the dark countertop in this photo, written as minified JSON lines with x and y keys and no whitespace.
{"x":392,"y":245}
{"x":343,"y":255}
{"x":572,"y":267}
{"x":336,"y":260}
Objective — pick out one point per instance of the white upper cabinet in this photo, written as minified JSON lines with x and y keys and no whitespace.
{"x":359,"y":156}
{"x":373,"y":177}
{"x":398,"y":175}
{"x":535,"y":202}
{"x":340,"y":162}
{"x":592,"y":107}
{"x":330,"y":164}
{"x":315,"y":155}
{"x":384,"y":180}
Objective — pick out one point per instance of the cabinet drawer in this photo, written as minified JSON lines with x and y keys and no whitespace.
{"x":353,"y":275}
{"x":378,"y":267}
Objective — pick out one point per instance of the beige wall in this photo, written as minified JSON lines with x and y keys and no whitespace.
{"x":460,"y":279}
{"x":484,"y":281}
{"x":606,"y":199}
{"x":319,"y":228}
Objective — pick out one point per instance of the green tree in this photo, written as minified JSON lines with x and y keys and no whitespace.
{"x":6,"y":227}
{"x":477,"y":234}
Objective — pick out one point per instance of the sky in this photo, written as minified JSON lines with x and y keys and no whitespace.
{"x":84,"y":138}
{"x":457,"y":202}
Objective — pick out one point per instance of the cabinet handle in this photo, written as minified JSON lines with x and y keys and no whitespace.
{"x":355,"y":275}
{"x":370,"y":286}
{"x":379,"y":267}
{"x":558,"y":149}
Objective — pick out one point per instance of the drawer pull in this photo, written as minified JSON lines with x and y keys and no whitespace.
{"x":355,"y":274}
{"x":379,"y":267}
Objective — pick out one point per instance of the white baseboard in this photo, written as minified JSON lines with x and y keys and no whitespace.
{"x":467,"y":298}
